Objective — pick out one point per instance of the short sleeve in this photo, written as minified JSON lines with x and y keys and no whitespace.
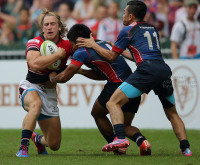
{"x":33,"y":44}
{"x":123,"y":40}
{"x":177,"y":32}
{"x":80,"y":57}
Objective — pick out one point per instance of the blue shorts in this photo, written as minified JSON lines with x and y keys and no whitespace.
{"x":152,"y":75}
{"x":110,"y":87}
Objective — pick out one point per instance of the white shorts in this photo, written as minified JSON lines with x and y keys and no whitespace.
{"x":48,"y":97}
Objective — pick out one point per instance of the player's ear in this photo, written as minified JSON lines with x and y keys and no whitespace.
{"x":131,"y":17}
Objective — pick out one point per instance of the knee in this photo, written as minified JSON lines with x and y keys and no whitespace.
{"x":171,"y":113}
{"x":54,"y":145}
{"x":93,"y":114}
{"x":35,"y":107}
{"x":110,"y":104}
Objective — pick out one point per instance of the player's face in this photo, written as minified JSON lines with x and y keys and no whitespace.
{"x":74,"y":46}
{"x":126,"y":17}
{"x":191,"y":10}
{"x":51,"y":28}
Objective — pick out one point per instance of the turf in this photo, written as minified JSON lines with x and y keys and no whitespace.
{"x":83,"y":146}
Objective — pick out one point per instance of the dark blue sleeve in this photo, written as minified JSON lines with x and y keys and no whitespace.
{"x":123,"y":40}
{"x":80,"y":57}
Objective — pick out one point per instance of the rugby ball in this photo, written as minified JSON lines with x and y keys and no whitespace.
{"x":47,"y":48}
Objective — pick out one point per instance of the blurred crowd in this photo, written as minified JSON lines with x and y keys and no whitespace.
{"x":18,"y":18}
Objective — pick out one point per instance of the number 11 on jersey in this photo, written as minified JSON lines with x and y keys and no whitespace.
{"x":147,"y":34}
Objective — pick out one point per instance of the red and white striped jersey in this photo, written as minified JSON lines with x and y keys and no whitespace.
{"x":34,"y":44}
{"x":109,"y":29}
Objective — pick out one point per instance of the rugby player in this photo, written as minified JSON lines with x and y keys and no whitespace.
{"x":37,"y":94}
{"x":152,"y":73}
{"x":115,"y":73}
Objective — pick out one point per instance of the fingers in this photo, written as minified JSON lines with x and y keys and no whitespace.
{"x":80,"y":45}
{"x":80,"y":39}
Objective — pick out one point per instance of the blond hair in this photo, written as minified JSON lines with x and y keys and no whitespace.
{"x":46,"y":12}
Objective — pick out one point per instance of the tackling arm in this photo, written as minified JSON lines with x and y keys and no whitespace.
{"x":64,"y":76}
{"x":90,"y":43}
{"x":91,"y":74}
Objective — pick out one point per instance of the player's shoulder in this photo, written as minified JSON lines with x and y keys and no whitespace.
{"x":37,"y":40}
{"x":81,"y":50}
{"x":125,"y":31}
{"x":64,"y":42}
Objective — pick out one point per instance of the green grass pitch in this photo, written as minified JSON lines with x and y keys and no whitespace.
{"x":83,"y":147}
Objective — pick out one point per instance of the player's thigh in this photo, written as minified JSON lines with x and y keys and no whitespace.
{"x":32,"y":101}
{"x":98,"y":110}
{"x":51,"y":129}
{"x":119,"y":98}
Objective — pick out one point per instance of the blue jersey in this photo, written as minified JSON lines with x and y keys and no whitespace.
{"x":117,"y":71}
{"x":142,"y":40}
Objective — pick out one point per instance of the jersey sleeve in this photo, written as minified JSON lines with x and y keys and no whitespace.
{"x":33,"y":44}
{"x":122,"y":42}
{"x":80,"y":57}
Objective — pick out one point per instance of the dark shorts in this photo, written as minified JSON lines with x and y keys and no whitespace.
{"x":132,"y":106}
{"x":152,"y":75}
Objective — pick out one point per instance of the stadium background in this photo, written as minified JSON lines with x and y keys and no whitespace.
{"x":77,"y":97}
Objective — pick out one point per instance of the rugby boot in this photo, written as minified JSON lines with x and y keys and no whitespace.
{"x":145,"y":148}
{"x":117,"y":143}
{"x":187,"y":152}
{"x":23,"y":151}
{"x":40,"y":148}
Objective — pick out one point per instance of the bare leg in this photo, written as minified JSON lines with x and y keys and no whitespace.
{"x":177,"y":123}
{"x":103,"y":123}
{"x":130,"y":130}
{"x":32,"y":104}
{"x":51,"y":129}
{"x":117,"y":100}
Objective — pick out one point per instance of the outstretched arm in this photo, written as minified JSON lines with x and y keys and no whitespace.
{"x":91,"y":74}
{"x":90,"y":43}
{"x":64,"y":76}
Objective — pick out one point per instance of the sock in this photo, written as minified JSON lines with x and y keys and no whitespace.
{"x":110,"y":138}
{"x":119,"y":131}
{"x":184,"y":144}
{"x":138,"y":138}
{"x":38,"y":138}
{"x":26,"y":135}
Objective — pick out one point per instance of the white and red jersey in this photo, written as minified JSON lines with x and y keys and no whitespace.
{"x":109,"y":29}
{"x":93,"y":24}
{"x":43,"y":75}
